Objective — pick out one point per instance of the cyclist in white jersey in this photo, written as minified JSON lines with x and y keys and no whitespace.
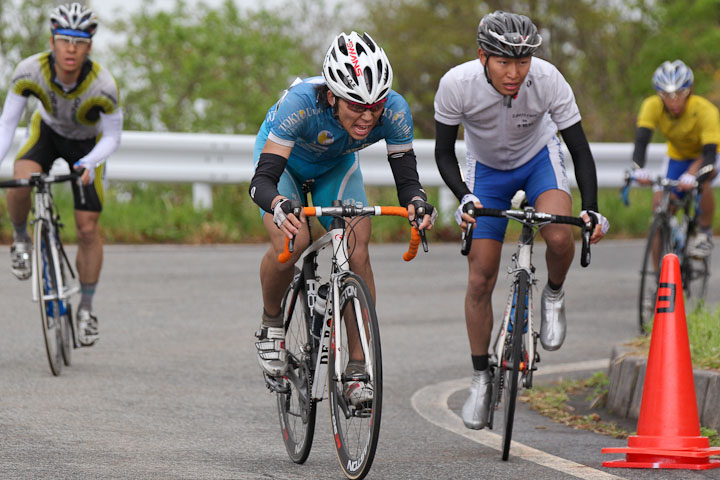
{"x":314,"y":132}
{"x":511,"y":106}
{"x":79,"y":119}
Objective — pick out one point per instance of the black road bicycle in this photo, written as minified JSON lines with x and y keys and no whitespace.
{"x":667,"y":234}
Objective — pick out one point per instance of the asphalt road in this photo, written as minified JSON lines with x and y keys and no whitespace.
{"x":172,"y":389}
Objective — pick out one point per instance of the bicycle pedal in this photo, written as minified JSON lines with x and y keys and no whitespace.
{"x":274,"y":386}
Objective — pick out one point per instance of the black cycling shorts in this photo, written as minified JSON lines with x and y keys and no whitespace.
{"x":43,"y":146}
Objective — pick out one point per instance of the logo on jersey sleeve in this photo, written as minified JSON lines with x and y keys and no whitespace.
{"x":325,"y":137}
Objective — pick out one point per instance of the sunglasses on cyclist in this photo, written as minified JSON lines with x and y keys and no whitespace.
{"x":361,"y":107}
{"x":682,"y":93}
{"x":65,"y":40}
{"x":514,"y":39}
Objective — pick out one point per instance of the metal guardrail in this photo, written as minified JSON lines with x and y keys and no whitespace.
{"x":207,"y":159}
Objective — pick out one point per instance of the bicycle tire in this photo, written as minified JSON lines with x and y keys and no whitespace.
{"x":695,"y":273}
{"x":49,"y":307}
{"x":513,"y":357}
{"x":356,"y":429}
{"x":650,"y":272}
{"x":296,"y":408}
{"x":66,"y":325}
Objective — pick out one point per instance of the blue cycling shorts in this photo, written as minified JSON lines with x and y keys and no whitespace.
{"x":340,"y":179}
{"x":495,"y":188}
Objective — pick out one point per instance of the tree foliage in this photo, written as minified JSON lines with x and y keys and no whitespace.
{"x":24,"y":31}
{"x":214,"y":71}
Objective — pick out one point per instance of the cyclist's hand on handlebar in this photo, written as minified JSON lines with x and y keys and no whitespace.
{"x":687,"y":182}
{"x":468,"y":203}
{"x":88,"y":175}
{"x":286,"y":215}
{"x":420,"y":208}
{"x":602,"y":225}
{"x":643,"y":176}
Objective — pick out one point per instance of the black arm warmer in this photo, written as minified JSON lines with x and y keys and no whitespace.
{"x":642,"y":138}
{"x":404,"y":169}
{"x":263,"y":186}
{"x":709,"y":153}
{"x":447,"y":163}
{"x":585,"y":173}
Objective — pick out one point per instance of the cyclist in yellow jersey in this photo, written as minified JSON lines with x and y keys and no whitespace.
{"x":691,"y":126}
{"x":79,"y":119}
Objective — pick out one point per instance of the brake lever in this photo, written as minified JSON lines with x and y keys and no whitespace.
{"x":466,"y":244}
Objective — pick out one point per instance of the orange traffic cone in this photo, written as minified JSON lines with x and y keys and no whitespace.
{"x":668,"y":432}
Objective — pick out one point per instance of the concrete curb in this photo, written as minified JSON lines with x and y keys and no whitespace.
{"x":627,"y":377}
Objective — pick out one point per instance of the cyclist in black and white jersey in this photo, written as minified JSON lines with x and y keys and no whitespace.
{"x":79,"y":119}
{"x":511,"y":106}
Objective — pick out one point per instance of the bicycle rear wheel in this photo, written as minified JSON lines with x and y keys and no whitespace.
{"x":48,"y":297}
{"x":695,"y":275}
{"x":296,"y":407}
{"x":355,"y":417}
{"x":658,"y":241}
{"x":510,"y":364}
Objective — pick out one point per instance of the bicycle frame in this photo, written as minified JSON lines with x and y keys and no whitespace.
{"x":44,"y":213}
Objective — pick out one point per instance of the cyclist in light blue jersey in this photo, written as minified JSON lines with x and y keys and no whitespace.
{"x":314,"y":132}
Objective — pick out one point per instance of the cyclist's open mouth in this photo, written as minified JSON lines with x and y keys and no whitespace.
{"x":362,"y":130}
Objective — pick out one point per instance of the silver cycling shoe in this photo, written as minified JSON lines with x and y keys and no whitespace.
{"x":553,"y":325}
{"x":476,"y":409}
{"x":271,"y":353}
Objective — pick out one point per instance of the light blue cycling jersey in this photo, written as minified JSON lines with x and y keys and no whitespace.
{"x":317,"y":139}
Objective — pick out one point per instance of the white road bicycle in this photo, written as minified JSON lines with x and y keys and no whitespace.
{"x":326,"y":320}
{"x":53,"y":279}
{"x":514,"y":354}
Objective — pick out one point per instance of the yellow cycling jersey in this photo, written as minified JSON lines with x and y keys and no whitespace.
{"x":698,"y":125}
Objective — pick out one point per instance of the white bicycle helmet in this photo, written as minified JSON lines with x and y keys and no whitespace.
{"x":357,"y":69}
{"x":508,"y":35}
{"x":73,"y":19}
{"x":671,"y":77}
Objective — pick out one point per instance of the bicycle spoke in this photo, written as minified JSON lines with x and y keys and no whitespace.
{"x":296,"y":409}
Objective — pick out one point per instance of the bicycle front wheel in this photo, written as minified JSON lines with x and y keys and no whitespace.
{"x":48,"y":297}
{"x":296,"y":406}
{"x":513,"y":358}
{"x":355,"y":393}
{"x":657,"y":246}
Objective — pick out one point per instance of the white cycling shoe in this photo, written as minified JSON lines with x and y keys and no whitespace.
{"x":476,"y":409}
{"x":271,"y":353}
{"x":553,"y":325}
{"x":20,"y":263}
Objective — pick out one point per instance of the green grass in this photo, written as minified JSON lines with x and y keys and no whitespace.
{"x":703,"y":325}
{"x":157,"y":212}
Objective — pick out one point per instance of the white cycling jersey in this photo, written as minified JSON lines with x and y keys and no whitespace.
{"x":495,"y":135}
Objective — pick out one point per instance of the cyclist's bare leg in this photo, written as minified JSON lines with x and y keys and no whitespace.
{"x":707,"y":205}
{"x":18,"y":199}
{"x":483,"y":265}
{"x":358,"y":239}
{"x":560,"y":245}
{"x":90,"y":248}
{"x":275,"y":276}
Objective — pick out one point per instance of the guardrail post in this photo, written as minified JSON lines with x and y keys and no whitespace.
{"x":202,"y":196}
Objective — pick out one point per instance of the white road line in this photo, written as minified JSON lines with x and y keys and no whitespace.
{"x":431,"y":403}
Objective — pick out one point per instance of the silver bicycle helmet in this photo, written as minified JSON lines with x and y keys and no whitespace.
{"x":508,"y":35}
{"x":671,"y":77}
{"x":357,"y":69}
{"x":73,"y":19}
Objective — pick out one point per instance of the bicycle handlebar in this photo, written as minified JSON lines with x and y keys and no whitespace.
{"x":530,"y":216}
{"x":349,"y":211}
{"x":37,"y":179}
{"x":659,"y":181}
